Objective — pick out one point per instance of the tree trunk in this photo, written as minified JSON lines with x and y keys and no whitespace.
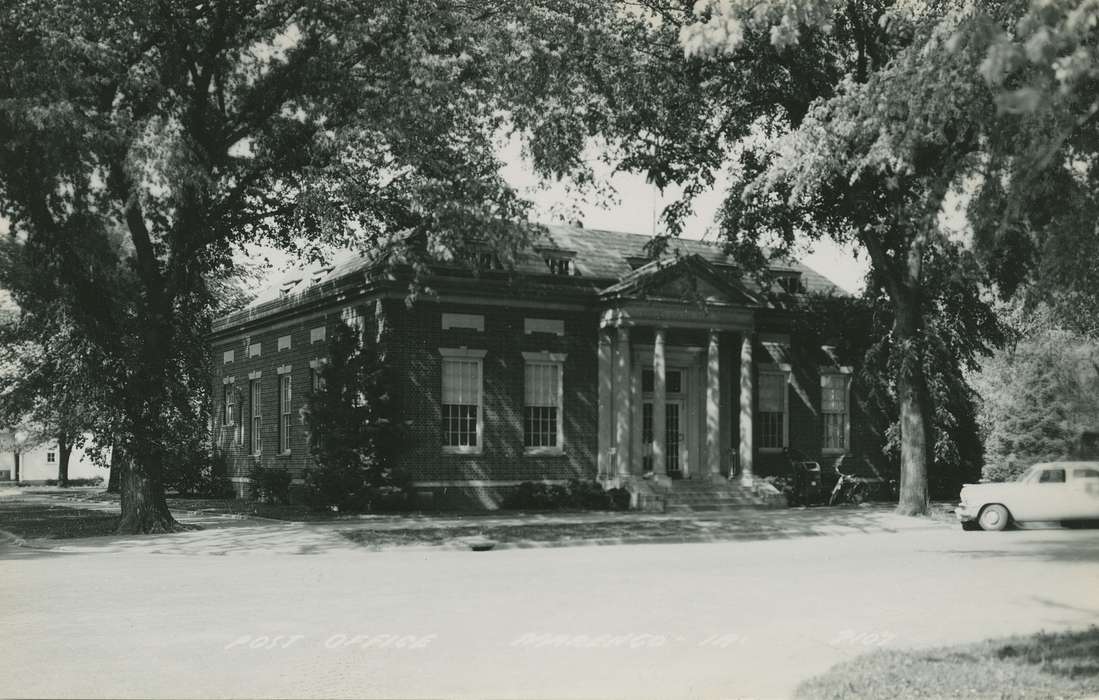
{"x":64,"y":450}
{"x":114,"y":484}
{"x":915,"y":410}
{"x":144,"y":507}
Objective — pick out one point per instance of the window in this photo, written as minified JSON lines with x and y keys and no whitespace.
{"x":229,"y":405}
{"x":255,"y":349}
{"x":1052,"y":476}
{"x":51,"y":456}
{"x":542,"y":429}
{"x":833,"y":411}
{"x":256,"y":394}
{"x":284,"y":413}
{"x":228,"y":356}
{"x":316,"y":380}
{"x":790,"y":282}
{"x":283,"y":342}
{"x":673,"y":381}
{"x":772,"y":410}
{"x":559,"y":262}
{"x":461,"y":404}
{"x":559,"y":266}
{"x":1085,"y":473}
{"x":316,"y":335}
{"x":239,"y":401}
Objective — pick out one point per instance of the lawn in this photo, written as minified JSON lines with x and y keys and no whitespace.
{"x":1043,"y":665}
{"x":37,"y":521}
{"x":227,"y":506}
{"x":537,"y":534}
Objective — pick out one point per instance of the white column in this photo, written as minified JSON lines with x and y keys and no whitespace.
{"x":746,"y":410}
{"x":660,"y":463}
{"x":622,"y":402}
{"x":605,"y":463}
{"x":713,"y":405}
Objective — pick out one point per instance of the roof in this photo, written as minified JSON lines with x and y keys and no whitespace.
{"x":606,"y":254}
{"x":607,"y":257}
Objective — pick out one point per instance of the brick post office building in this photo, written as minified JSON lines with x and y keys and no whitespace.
{"x":557,"y":369}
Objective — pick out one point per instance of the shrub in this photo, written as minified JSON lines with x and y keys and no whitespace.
{"x":337,"y":487}
{"x":576,"y":494}
{"x":271,"y":485}
{"x":201,"y":473}
{"x":94,"y":481}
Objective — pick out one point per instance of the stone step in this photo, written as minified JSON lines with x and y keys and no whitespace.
{"x":709,"y":506}
{"x":692,"y":497}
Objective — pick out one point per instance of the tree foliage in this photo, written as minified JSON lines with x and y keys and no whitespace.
{"x":141,"y":144}
{"x":1038,"y":394}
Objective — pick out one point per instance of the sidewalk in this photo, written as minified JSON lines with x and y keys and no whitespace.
{"x":234,"y":534}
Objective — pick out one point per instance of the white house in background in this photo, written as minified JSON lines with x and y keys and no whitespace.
{"x":39,"y":463}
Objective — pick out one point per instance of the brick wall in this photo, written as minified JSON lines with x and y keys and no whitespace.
{"x":414,"y":338}
{"x":267,"y":363}
{"x":417,"y":336}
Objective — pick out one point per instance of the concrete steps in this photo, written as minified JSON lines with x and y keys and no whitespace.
{"x":688,"y":496}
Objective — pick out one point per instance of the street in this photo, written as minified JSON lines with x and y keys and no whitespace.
{"x":661,"y":621}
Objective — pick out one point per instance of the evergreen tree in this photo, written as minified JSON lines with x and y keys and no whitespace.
{"x":354,"y":433}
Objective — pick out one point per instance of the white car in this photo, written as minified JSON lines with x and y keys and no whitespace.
{"x":1047,"y":491}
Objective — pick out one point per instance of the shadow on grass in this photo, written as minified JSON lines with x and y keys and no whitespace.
{"x":532,"y":530}
{"x":1040,"y":665}
{"x":37,"y":521}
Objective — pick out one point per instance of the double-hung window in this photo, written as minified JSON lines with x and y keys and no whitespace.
{"x":255,"y":395}
{"x":229,"y":405}
{"x":834,"y":411}
{"x":284,"y":412}
{"x":542,"y":403}
{"x":462,"y":396}
{"x":772,"y":409}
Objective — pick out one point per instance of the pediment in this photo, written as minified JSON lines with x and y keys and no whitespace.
{"x":680,"y":279}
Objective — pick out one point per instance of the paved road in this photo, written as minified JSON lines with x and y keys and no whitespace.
{"x":662,"y":621}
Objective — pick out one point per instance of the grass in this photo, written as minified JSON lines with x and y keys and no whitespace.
{"x":36,"y":521}
{"x":545,"y":534}
{"x":226,"y":506}
{"x":1064,"y":665}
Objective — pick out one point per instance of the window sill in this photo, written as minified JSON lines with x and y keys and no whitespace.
{"x":833,"y":451}
{"x":543,"y":451}
{"x":461,"y":450}
{"x":771,"y":450}
{"x":284,"y":453}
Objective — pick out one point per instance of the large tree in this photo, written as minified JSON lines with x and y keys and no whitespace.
{"x":847,"y":120}
{"x":142,"y":143}
{"x":984,"y":113}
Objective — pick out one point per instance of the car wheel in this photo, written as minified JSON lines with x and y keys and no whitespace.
{"x":994,"y":518}
{"x":971,"y":525}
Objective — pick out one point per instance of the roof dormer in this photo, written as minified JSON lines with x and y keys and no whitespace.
{"x":790,"y":281}
{"x":559,"y":262}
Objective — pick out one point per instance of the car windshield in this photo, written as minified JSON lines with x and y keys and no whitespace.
{"x":1030,"y":474}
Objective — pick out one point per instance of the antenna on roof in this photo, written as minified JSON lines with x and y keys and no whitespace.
{"x":653,"y":232}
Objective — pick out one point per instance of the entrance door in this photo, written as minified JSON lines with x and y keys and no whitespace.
{"x":675,"y":443}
